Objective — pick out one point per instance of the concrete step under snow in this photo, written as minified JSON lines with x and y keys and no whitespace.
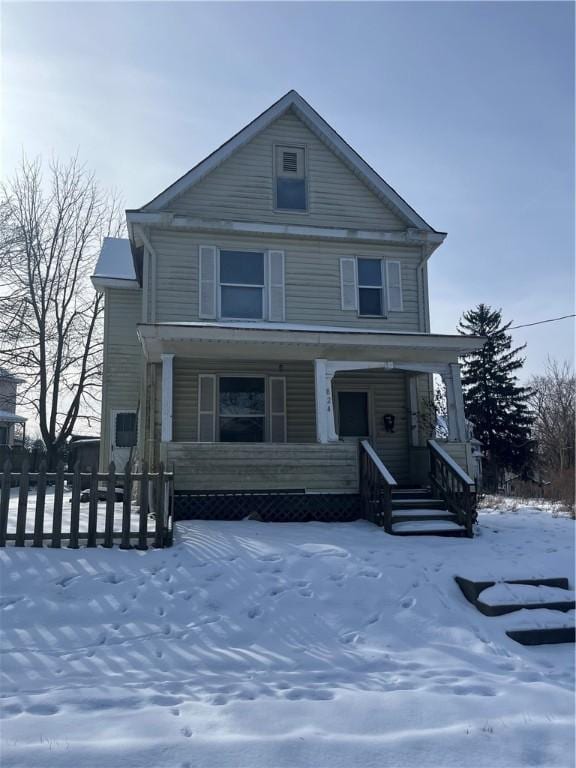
{"x":423,"y":514}
{"x":427,"y":528}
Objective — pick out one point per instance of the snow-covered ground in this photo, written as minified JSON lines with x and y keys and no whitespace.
{"x":66,"y":512}
{"x":253,"y":645}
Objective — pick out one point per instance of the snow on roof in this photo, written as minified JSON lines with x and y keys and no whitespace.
{"x":11,"y":417}
{"x":305,"y":327}
{"x":115,"y":260}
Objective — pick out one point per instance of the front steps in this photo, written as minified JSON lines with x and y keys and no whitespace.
{"x":562,"y":631}
{"x":415,"y":512}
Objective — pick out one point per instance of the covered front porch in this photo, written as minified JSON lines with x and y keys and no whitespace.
{"x":307,"y":442}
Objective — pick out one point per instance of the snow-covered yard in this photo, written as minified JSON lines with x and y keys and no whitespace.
{"x":253,"y":645}
{"x":66,"y":513}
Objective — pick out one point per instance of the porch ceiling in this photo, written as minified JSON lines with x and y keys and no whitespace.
{"x":294,"y":342}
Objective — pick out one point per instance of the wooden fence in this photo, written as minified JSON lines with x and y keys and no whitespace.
{"x":131,"y":509}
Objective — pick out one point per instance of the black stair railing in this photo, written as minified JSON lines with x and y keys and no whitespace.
{"x":455,"y":486}
{"x":376,"y":485}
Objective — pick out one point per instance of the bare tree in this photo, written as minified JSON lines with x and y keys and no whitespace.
{"x":553,"y":401}
{"x":50,"y":330}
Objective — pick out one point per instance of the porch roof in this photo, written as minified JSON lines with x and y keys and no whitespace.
{"x":7,"y":417}
{"x":289,"y":341}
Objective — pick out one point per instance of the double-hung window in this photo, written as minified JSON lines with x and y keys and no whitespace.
{"x":242,"y":409}
{"x":371,"y":295}
{"x":242,"y":281}
{"x":373,"y":286}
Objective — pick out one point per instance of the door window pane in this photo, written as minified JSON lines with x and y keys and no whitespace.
{"x":353,"y":413}
{"x":125,"y":430}
{"x":370,"y":301}
{"x":3,"y":435}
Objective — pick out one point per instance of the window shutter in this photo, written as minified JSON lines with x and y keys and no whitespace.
{"x":206,"y":408}
{"x":207,"y":282}
{"x":394,"y":285}
{"x":276,"y":300}
{"x":348,"y":290}
{"x":277,"y":409}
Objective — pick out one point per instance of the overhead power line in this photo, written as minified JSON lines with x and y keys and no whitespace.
{"x":539,"y":322}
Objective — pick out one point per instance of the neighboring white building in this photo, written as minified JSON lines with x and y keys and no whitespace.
{"x":8,"y":416}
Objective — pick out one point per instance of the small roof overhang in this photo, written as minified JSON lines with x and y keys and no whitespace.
{"x":115,"y":265}
{"x":6,"y":417}
{"x":282,"y":342}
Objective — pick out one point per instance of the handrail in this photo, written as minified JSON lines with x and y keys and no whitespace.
{"x":455,"y":486}
{"x":449,"y":460}
{"x":376,"y":483}
{"x":378,"y":461}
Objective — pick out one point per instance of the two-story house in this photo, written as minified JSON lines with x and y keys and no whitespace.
{"x":270,"y":309}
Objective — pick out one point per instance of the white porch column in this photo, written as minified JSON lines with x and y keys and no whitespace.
{"x":414,"y":410}
{"x":167,"y":389}
{"x":458,"y":401}
{"x":325,"y":426}
{"x":455,"y":403}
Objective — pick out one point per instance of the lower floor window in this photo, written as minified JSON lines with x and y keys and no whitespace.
{"x":4,"y":435}
{"x":242,"y":409}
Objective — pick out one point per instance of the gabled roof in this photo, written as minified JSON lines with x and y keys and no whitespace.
{"x":293,"y":101}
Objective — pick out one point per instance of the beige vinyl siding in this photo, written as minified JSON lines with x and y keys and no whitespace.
{"x":255,"y":466}
{"x":312,"y":277}
{"x":387,"y":391}
{"x":122,"y":364}
{"x":388,"y":394}
{"x":300,"y":396}
{"x":242,"y":188}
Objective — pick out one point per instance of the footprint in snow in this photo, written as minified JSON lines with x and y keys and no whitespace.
{"x":187,"y":732}
{"x":42,"y":709}
{"x":255,"y":612}
{"x":408,"y":602}
{"x":370,"y":573}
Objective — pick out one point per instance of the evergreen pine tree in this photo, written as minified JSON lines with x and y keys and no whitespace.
{"x":494,"y":401}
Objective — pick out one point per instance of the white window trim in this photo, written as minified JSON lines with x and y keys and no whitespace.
{"x":263,"y":287}
{"x":297,"y":211}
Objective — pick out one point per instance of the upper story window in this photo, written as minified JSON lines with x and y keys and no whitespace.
{"x":371,"y":286}
{"x":241,"y":285}
{"x":290,"y":172}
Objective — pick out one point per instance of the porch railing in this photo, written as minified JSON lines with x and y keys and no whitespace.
{"x":454,"y":485}
{"x":132,"y":509}
{"x":376,"y":485}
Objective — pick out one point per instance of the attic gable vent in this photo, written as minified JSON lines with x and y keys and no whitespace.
{"x":290,"y":162}
{"x":290,"y":172}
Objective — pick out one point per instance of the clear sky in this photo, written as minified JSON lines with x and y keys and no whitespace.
{"x":466,"y":109}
